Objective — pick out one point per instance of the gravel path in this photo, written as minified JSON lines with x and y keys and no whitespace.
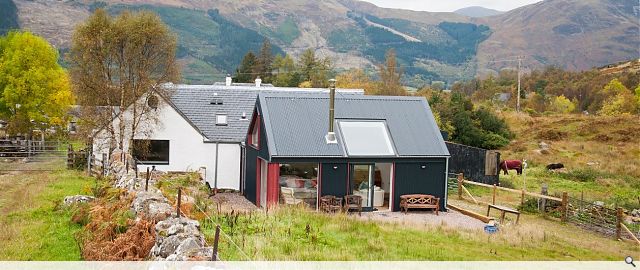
{"x":233,"y":202}
{"x":450,"y":219}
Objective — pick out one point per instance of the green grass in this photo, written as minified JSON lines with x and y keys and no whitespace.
{"x":34,"y":226}
{"x":283,"y":235}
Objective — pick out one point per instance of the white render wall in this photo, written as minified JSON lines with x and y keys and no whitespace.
{"x":188,"y":150}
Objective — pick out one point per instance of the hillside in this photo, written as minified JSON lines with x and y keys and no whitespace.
{"x":478,"y":12}
{"x":573,"y":34}
{"x":430,"y":45}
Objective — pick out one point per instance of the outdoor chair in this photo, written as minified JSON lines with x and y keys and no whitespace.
{"x":330,"y":204}
{"x":353,"y":202}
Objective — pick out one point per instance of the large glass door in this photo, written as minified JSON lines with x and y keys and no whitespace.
{"x":362,"y":183}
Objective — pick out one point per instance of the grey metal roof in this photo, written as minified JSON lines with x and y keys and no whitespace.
{"x":193,"y":102}
{"x":296,"y":124}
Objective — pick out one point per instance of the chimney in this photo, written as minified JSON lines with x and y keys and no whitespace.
{"x":331,"y":136}
{"x":228,"y":80}
{"x":258,"y":81}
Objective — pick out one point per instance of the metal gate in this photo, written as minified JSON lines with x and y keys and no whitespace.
{"x":32,"y":155}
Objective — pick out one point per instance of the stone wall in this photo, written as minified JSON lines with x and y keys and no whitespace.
{"x":177,"y":239}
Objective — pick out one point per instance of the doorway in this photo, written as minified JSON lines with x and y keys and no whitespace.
{"x":372,"y":182}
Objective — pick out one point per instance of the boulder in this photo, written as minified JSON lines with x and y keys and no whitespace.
{"x":157,"y":211}
{"x":69,"y":200}
{"x":543,"y":146}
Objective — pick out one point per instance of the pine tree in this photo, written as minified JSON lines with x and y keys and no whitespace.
{"x":245,"y":72}
{"x":264,"y":63}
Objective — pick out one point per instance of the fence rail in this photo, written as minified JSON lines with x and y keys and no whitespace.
{"x":585,"y":214}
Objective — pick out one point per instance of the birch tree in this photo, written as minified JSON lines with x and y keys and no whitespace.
{"x":120,"y":64}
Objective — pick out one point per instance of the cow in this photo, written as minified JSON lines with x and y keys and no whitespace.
{"x":555,"y":166}
{"x":507,"y":165}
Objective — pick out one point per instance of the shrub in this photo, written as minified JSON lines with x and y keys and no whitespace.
{"x":581,"y":175}
{"x":507,"y":183}
{"x":529,"y":206}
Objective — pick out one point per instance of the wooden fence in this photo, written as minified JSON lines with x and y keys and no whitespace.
{"x":585,"y":214}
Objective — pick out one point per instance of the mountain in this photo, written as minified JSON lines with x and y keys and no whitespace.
{"x":213,"y":35}
{"x":478,"y":12}
{"x":573,"y":34}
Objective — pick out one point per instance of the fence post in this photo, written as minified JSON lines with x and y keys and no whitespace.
{"x":146,"y":183}
{"x":69,"y":155}
{"x":104,"y":164}
{"x":565,"y":206}
{"x":522,"y":198}
{"x":619,"y":216}
{"x":495,"y":189}
{"x":179,"y":201}
{"x":216,"y":239}
{"x":460,"y":181}
{"x":543,"y":202}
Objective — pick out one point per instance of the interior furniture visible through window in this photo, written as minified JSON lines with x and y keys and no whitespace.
{"x":154,"y":152}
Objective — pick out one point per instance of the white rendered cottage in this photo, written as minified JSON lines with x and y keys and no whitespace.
{"x":199,"y":128}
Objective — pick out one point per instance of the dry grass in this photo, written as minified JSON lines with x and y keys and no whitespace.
{"x":610,"y":144}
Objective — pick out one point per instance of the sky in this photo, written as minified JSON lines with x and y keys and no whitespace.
{"x":451,"y":5}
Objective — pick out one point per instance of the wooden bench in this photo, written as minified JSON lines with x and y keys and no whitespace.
{"x":503,"y":211}
{"x":419,"y":201}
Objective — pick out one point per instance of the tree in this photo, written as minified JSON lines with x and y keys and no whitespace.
{"x":620,"y":99}
{"x":357,"y":79}
{"x":315,"y":71}
{"x":561,"y":104}
{"x":390,"y":75}
{"x":35,"y":88}
{"x":286,"y":74}
{"x":264,"y":62}
{"x":121,"y":63}
{"x":245,"y":73}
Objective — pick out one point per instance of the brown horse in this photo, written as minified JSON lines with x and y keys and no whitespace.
{"x":507,"y":165}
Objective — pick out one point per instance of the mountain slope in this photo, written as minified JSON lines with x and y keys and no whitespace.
{"x":574,"y":34}
{"x":430,"y":45}
{"x":478,"y":12}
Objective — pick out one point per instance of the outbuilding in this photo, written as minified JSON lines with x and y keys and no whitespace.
{"x":304,"y":146}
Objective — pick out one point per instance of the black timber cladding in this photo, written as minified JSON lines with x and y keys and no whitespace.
{"x":471,"y":161}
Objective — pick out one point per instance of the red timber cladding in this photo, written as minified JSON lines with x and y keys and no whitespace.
{"x":273,"y":183}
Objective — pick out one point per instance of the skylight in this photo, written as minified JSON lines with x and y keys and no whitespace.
{"x":221,"y":119}
{"x":366,"y":138}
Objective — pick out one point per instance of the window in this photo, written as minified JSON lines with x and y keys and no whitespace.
{"x":221,"y":119}
{"x":151,"y":151}
{"x":366,"y":138}
{"x":254,"y":133}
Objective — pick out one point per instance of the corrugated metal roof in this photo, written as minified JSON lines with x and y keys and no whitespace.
{"x":296,"y":124}
{"x":194,"y":103}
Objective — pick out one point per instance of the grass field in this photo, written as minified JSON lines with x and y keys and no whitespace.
{"x":34,"y":227}
{"x":296,"y":234}
{"x":601,"y":155}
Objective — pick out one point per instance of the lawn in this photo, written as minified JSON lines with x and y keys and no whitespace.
{"x":299,"y":234}
{"x":294,"y":233}
{"x":34,"y":226}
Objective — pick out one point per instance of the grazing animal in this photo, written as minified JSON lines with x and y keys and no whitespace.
{"x":555,"y":166}
{"x":507,"y":165}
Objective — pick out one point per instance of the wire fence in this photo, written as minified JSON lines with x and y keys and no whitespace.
{"x":589,"y":215}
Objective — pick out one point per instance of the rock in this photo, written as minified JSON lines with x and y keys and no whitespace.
{"x":142,"y":199}
{"x":635,"y":212}
{"x":598,"y":203}
{"x":158,"y":211}
{"x":543,"y":146}
{"x":175,"y":229}
{"x":189,"y":248}
{"x":169,"y":246}
{"x":69,"y":200}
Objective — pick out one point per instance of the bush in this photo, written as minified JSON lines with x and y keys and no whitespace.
{"x":581,"y":175}
{"x":529,"y":206}
{"x":506,"y":183}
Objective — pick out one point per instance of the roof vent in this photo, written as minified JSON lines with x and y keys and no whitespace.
{"x":216,"y":100}
{"x":228,"y":80}
{"x":244,"y":116}
{"x":258,"y":81}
